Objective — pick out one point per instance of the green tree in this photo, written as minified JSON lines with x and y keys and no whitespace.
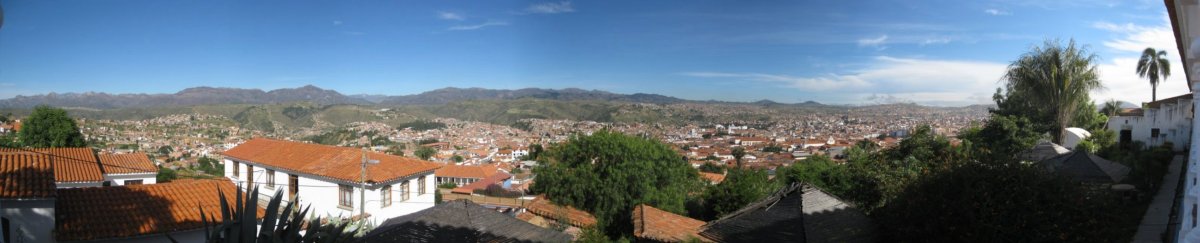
{"x":457,"y":158}
{"x":535,"y":151}
{"x":425,"y":153}
{"x":608,"y":173}
{"x":741,"y":186}
{"x":1001,"y":138}
{"x":165,"y":150}
{"x":738,"y":153}
{"x":50,"y":127}
{"x":1152,"y":66}
{"x":712,"y":168}
{"x":1050,"y":80}
{"x":166,"y":174}
{"x":1111,"y":107}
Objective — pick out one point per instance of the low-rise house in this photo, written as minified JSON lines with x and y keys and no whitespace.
{"x":140,"y":213}
{"x":461,"y":175}
{"x":331,"y":179}
{"x":1165,"y":120}
{"x":501,"y":179}
{"x":542,"y":212}
{"x":27,"y":196}
{"x":128,"y":169}
{"x":461,"y":221}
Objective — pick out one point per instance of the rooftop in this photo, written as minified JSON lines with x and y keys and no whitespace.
{"x":655,"y":224}
{"x":567,"y":214}
{"x":463,"y":171}
{"x":26,"y":175}
{"x":71,"y":165}
{"x":127,"y":163}
{"x":93,"y":213}
{"x":332,"y":162}
{"x":461,"y":221}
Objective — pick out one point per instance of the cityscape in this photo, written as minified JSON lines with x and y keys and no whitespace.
{"x":568,"y":121}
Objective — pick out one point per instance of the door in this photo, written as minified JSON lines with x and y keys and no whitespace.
{"x":1126,"y":138}
{"x":293,"y":186}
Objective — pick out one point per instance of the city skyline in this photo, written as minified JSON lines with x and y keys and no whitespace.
{"x":931,"y":53}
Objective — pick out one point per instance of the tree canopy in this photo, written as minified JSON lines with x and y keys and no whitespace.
{"x":50,"y":127}
{"x":1050,"y":81}
{"x":424,"y":152}
{"x":608,"y":173}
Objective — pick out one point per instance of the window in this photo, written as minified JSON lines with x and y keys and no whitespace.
{"x":345,"y":196}
{"x":385,"y":195}
{"x":293,"y":186}
{"x":235,"y":169}
{"x":404,"y":191}
{"x":133,"y":182}
{"x":6,"y":229}
{"x":421,"y":186}
{"x":1154,"y":132}
{"x":270,"y":178}
{"x":249,"y":176}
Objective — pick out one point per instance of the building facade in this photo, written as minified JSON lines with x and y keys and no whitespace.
{"x":1185,"y":20}
{"x":1159,"y":122}
{"x":331,"y":178}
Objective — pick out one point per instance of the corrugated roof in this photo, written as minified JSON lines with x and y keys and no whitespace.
{"x":127,"y":163}
{"x":333,"y":162}
{"x":93,"y":213}
{"x":461,"y":221}
{"x":26,"y":175}
{"x":655,"y":224}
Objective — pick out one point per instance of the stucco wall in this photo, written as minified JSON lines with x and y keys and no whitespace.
{"x":29,"y":220}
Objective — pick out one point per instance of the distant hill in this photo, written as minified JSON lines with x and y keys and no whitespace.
{"x":449,"y":95}
{"x":186,"y":97}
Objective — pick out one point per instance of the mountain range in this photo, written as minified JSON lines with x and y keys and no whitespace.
{"x":313,"y":94}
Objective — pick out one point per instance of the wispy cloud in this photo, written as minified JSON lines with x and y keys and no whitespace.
{"x":550,"y":8}
{"x":337,"y":22}
{"x":478,"y":26}
{"x":935,"y":40}
{"x":996,"y":12}
{"x":873,"y":41}
{"x":890,"y":79}
{"x":451,"y":16}
{"x":1119,"y":75}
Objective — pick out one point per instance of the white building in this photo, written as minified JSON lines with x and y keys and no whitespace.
{"x":330,"y":178}
{"x":26,"y":209}
{"x":128,"y":169}
{"x":1185,"y":19}
{"x":1165,"y":120}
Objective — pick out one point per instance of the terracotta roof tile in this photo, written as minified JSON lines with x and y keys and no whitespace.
{"x":92,"y":213}
{"x":543,"y":207}
{"x":482,"y":184}
{"x":26,"y":175}
{"x":463,"y":171}
{"x":127,"y":163}
{"x":713,"y":177}
{"x":656,"y":224}
{"x":333,"y":162}
{"x":70,"y":164}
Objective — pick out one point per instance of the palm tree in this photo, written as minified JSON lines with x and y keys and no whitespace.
{"x":1152,"y":65}
{"x":738,"y":153}
{"x":1056,"y":76}
{"x":1111,"y":107}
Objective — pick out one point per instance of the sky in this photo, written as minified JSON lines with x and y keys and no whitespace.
{"x":943,"y":53}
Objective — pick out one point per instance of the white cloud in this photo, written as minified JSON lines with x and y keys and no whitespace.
{"x":873,"y":41}
{"x":996,"y":12}
{"x":925,"y":81}
{"x":337,"y":22}
{"x":477,"y":26}
{"x":935,"y":40}
{"x":451,"y":16}
{"x":1118,"y":73}
{"x":550,"y":8}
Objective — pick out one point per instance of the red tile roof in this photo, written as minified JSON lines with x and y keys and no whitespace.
{"x":70,"y":164}
{"x":712,"y":177}
{"x":567,"y":214}
{"x":26,"y":175}
{"x":656,"y":224}
{"x":92,"y":213}
{"x":333,"y":162}
{"x":482,"y":184}
{"x":127,"y":163}
{"x":463,"y":171}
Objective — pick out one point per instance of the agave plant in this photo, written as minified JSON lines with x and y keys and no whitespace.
{"x":238,"y":223}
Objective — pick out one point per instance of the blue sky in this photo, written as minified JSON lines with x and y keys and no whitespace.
{"x":845,"y":52}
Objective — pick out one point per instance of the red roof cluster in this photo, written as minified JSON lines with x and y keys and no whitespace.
{"x":333,"y":162}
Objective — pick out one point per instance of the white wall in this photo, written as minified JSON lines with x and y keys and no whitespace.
{"x":119,"y":179}
{"x":322,"y":194}
{"x":30,"y":220}
{"x":1173,"y":120}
